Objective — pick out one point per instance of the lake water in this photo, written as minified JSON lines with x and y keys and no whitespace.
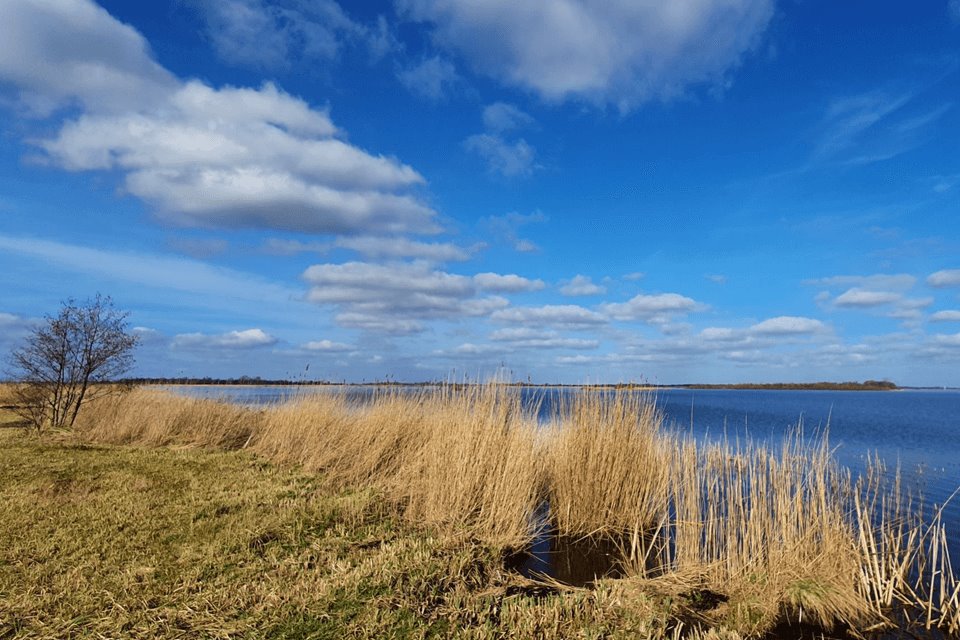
{"x":919,"y":430}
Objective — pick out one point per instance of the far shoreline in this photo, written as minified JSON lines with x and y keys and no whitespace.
{"x":869,"y":385}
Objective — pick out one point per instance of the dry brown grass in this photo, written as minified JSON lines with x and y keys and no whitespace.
{"x":304,"y":431}
{"x":783,"y":534}
{"x":8,"y":414}
{"x":6,"y":392}
{"x":155,"y":418}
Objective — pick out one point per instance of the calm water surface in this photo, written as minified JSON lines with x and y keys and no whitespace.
{"x":919,"y":430}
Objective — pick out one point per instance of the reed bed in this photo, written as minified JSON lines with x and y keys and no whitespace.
{"x":769,"y":529}
{"x":764,"y":535}
{"x":478,"y":468}
{"x":609,"y":466}
{"x":153,"y":418}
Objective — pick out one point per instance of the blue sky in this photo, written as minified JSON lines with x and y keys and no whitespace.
{"x":575,"y":191}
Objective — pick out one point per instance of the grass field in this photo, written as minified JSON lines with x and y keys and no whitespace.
{"x":173,"y":517}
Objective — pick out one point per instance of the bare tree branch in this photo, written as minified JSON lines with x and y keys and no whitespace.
{"x":62,"y":361}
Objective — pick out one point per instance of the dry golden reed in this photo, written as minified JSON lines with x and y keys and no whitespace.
{"x":781,"y":534}
{"x":478,"y":467}
{"x":609,"y":465}
{"x":770,"y":530}
{"x":154,"y":418}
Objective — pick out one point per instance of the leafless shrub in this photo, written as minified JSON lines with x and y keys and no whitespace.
{"x":67,"y":361}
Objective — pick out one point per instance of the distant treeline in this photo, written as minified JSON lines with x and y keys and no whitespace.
{"x":267,"y":382}
{"x":868,"y":385}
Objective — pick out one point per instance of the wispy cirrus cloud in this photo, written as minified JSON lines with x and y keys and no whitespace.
{"x":506,"y":229}
{"x":508,"y":156}
{"x":874,"y":126}
{"x":895,"y":282}
{"x":500,"y":117}
{"x":375,"y":247}
{"x":433,"y":78}
{"x":395,"y":247}
{"x":847,"y":119}
{"x":511,"y":159}
{"x":218,"y":286}
{"x":275,"y":35}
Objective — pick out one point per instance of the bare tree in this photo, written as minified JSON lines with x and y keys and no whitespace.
{"x":64,"y":362}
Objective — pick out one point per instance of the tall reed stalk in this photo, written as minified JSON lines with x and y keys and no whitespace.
{"x":608,"y":464}
{"x":480,"y":467}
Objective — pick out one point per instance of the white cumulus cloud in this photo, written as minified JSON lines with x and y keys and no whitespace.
{"x":857,"y":297}
{"x":581,"y":285}
{"x":530,"y":338}
{"x":621,"y":53}
{"x":399,"y":247}
{"x":204,"y":156}
{"x":61,"y":52}
{"x":246,"y":339}
{"x":509,"y":283}
{"x":949,"y":315}
{"x":395,"y":298}
{"x":944,"y":278}
{"x":326,"y":346}
{"x":947,"y":340}
{"x":562,"y":315}
{"x":788,"y":325}
{"x":652,"y":308}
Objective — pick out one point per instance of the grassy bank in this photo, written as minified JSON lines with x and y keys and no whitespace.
{"x":393,"y":518}
{"x":112,"y":541}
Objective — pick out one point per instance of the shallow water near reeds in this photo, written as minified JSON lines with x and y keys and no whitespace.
{"x":577,"y":562}
{"x":917,"y":430}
